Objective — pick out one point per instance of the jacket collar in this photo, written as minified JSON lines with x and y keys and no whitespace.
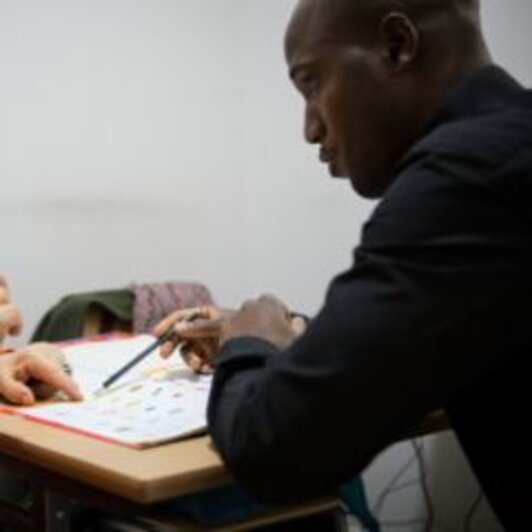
{"x":486,"y":91}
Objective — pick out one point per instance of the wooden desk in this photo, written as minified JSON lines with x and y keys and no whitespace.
{"x":143,"y":476}
{"x":113,"y":476}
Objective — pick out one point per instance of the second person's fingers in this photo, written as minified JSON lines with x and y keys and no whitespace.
{"x":51,"y":373}
{"x":15,"y":391}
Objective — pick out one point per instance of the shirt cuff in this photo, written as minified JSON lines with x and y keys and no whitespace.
{"x":248,"y":351}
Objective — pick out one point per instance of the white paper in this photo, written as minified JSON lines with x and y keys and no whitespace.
{"x":156,"y":401}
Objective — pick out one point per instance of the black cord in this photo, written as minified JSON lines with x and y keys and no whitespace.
{"x":418,"y":449}
{"x":391,"y":485}
{"x":394,"y":486}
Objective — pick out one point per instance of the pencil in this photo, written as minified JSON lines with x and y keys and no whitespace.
{"x":142,"y":355}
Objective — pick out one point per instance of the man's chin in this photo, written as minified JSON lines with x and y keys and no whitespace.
{"x":367,"y":188}
{"x":335,"y":170}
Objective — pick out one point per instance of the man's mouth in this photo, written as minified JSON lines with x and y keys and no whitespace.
{"x":328,"y":156}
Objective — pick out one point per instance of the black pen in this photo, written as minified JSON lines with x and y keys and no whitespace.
{"x":142,"y":355}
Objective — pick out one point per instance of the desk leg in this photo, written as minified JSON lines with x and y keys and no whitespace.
{"x":40,"y":507}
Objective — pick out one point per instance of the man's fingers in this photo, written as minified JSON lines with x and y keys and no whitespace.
{"x":167,"y":322}
{"x":51,"y":373}
{"x":194,"y":361}
{"x":206,"y":368}
{"x":199,"y":328}
{"x":191,"y":331}
{"x":298,"y":324}
{"x":168,"y":348}
{"x":197,"y":356}
{"x":197,"y":363}
{"x":183,"y":315}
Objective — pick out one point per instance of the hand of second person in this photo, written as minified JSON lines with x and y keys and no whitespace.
{"x":10,"y":317}
{"x":35,"y":372}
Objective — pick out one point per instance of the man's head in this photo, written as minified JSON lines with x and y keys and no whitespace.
{"x":373,"y":73}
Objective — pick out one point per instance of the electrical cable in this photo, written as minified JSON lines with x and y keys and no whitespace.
{"x":390,"y":488}
{"x":419,"y":450}
{"x":394,"y":486}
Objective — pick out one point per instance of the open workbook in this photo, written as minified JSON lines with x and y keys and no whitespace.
{"x":155,"y":402}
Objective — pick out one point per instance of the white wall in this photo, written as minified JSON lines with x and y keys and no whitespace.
{"x":507,"y":29}
{"x":148,"y":140}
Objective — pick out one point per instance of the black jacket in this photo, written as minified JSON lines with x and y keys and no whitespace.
{"x":436,"y":311}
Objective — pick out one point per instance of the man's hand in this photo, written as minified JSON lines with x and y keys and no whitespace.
{"x":201,"y":338}
{"x":36,"y":371}
{"x":266,"y":317}
{"x":10,"y":317}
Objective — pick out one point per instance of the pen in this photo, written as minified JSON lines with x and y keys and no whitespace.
{"x":142,"y":355}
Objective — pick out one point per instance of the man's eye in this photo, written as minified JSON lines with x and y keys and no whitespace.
{"x":308,"y":86}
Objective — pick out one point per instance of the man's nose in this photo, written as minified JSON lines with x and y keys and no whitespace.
{"x":314,"y":127}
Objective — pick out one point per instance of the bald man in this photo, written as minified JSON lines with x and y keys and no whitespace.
{"x":402,"y":99}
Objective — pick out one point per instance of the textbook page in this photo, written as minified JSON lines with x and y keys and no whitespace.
{"x":156,"y":401}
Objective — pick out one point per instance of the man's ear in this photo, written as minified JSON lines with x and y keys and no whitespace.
{"x":399,"y":40}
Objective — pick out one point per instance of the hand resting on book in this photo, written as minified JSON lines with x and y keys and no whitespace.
{"x":35,"y":372}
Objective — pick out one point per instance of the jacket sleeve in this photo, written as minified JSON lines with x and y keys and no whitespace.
{"x":430,"y":304}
